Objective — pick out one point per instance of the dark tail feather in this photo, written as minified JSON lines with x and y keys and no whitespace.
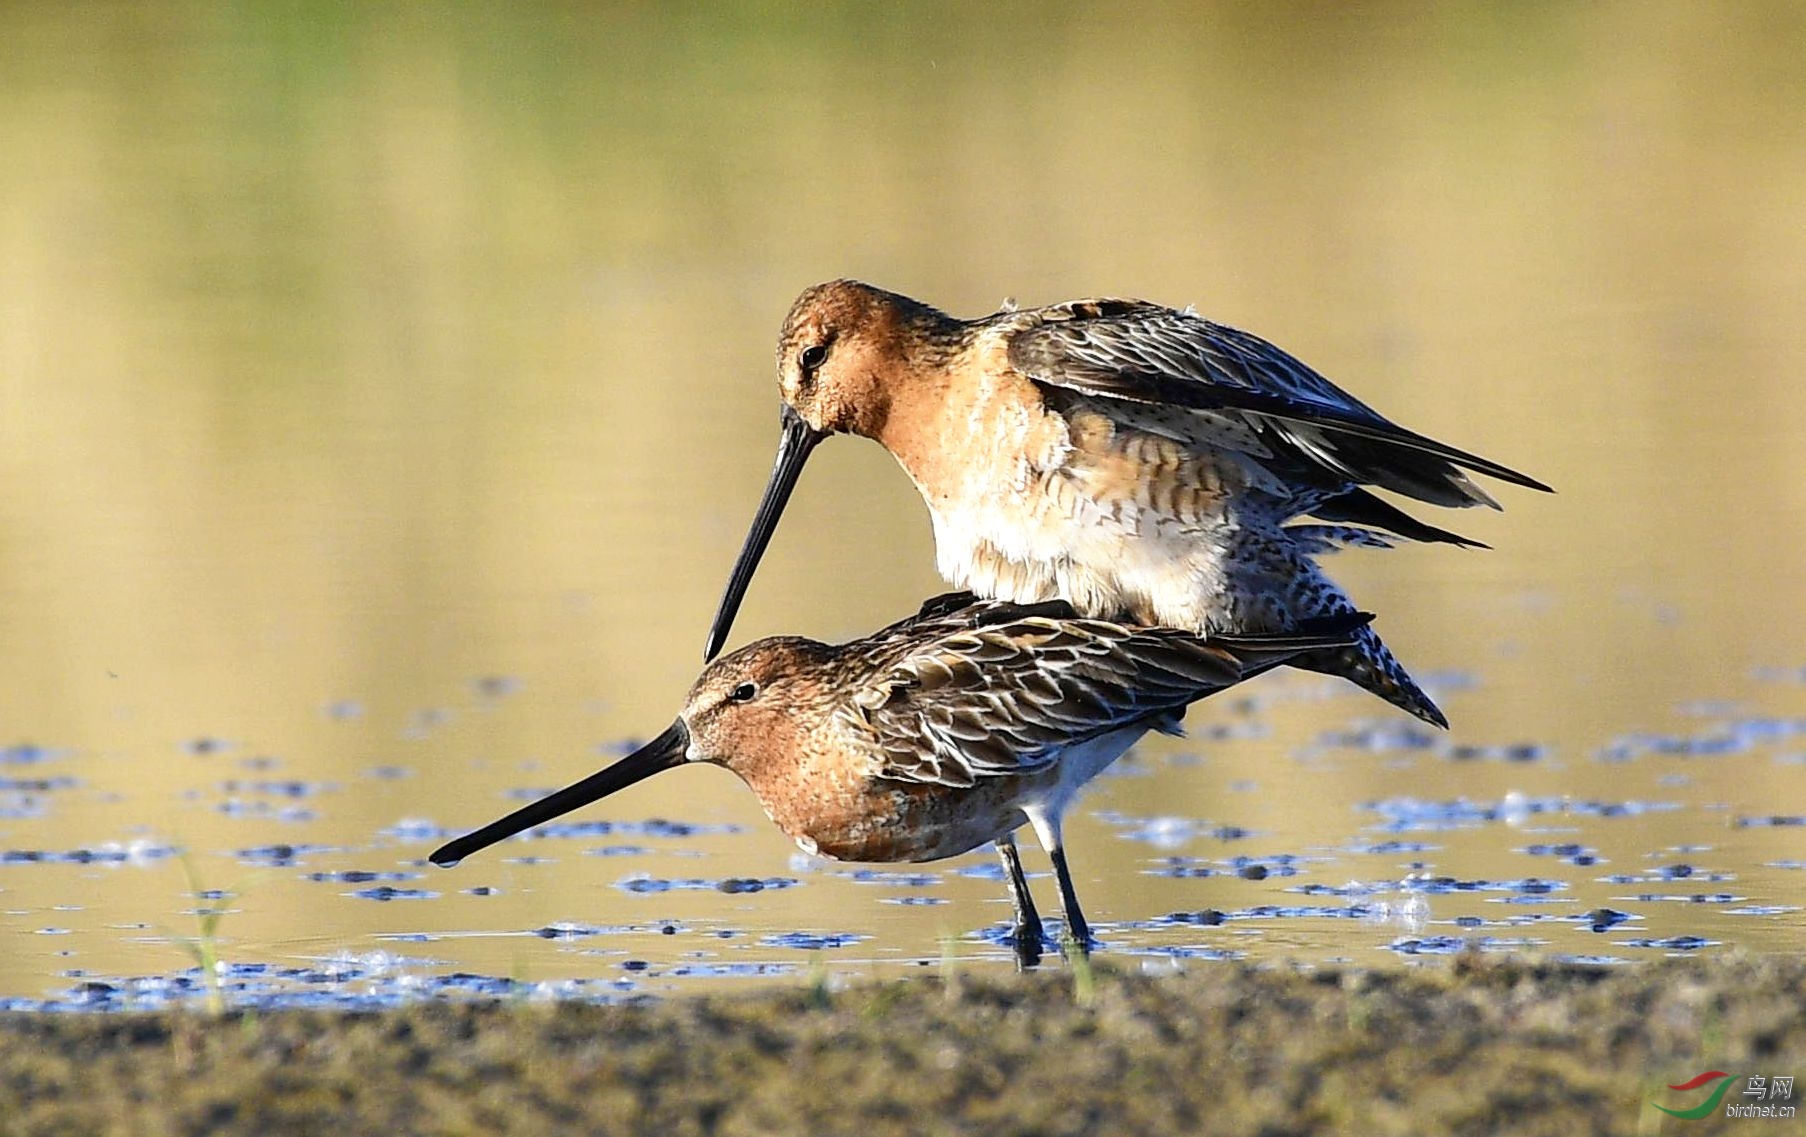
{"x":1369,"y":664}
{"x":1313,"y":633}
{"x":1260,"y":652}
{"x":1359,"y":507}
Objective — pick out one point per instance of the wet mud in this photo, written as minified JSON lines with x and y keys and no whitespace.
{"x":1469,"y":1045}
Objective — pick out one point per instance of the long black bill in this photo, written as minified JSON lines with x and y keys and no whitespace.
{"x":798,"y":439}
{"x":662,"y":753}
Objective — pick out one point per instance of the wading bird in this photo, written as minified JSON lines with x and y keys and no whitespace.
{"x":937,"y":734}
{"x":1142,"y":463}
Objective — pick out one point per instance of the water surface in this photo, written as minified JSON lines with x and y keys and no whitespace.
{"x":383,"y":396}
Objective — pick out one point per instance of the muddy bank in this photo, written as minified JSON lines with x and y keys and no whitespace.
{"x":1475,"y":1046}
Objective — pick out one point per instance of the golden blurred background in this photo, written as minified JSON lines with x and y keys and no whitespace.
{"x":350,"y":354}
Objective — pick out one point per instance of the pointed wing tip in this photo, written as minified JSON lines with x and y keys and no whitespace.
{"x":1511,"y":476}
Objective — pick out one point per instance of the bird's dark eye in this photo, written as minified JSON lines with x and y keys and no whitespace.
{"x":812,"y":357}
{"x":744,"y":693}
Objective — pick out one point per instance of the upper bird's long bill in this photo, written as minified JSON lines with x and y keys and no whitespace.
{"x":662,"y":753}
{"x":798,"y":439}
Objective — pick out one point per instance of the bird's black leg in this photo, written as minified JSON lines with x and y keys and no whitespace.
{"x":1069,"y":900}
{"x":1045,"y":817}
{"x":1027,"y":932}
{"x":1008,"y":613}
{"x":946,"y":604}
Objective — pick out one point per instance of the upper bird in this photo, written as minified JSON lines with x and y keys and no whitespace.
{"x":1140,"y":462}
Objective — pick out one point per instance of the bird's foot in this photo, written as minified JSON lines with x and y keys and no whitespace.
{"x":1077,"y":942}
{"x":1025,"y":940}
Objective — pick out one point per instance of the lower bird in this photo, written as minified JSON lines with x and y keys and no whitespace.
{"x":937,"y":734}
{"x":1143,"y":463}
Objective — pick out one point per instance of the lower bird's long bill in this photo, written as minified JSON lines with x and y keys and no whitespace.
{"x":662,"y":753}
{"x":794,"y":445}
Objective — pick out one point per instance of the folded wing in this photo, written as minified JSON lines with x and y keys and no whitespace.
{"x":1138,"y":353}
{"x":1008,"y":698}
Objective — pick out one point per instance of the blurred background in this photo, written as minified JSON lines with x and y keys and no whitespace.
{"x":385,"y":390}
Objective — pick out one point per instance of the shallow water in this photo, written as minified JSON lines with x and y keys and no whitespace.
{"x":383,"y":398}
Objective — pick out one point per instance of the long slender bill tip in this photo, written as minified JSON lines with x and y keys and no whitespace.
{"x":711,"y":649}
{"x":796,"y":440}
{"x":724,"y":617}
{"x":662,"y":753}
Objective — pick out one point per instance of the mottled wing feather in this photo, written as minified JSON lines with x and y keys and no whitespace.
{"x":952,"y":612}
{"x":1007,"y":699}
{"x":1113,"y":337}
{"x":1321,"y":540}
{"x":1249,"y":396}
